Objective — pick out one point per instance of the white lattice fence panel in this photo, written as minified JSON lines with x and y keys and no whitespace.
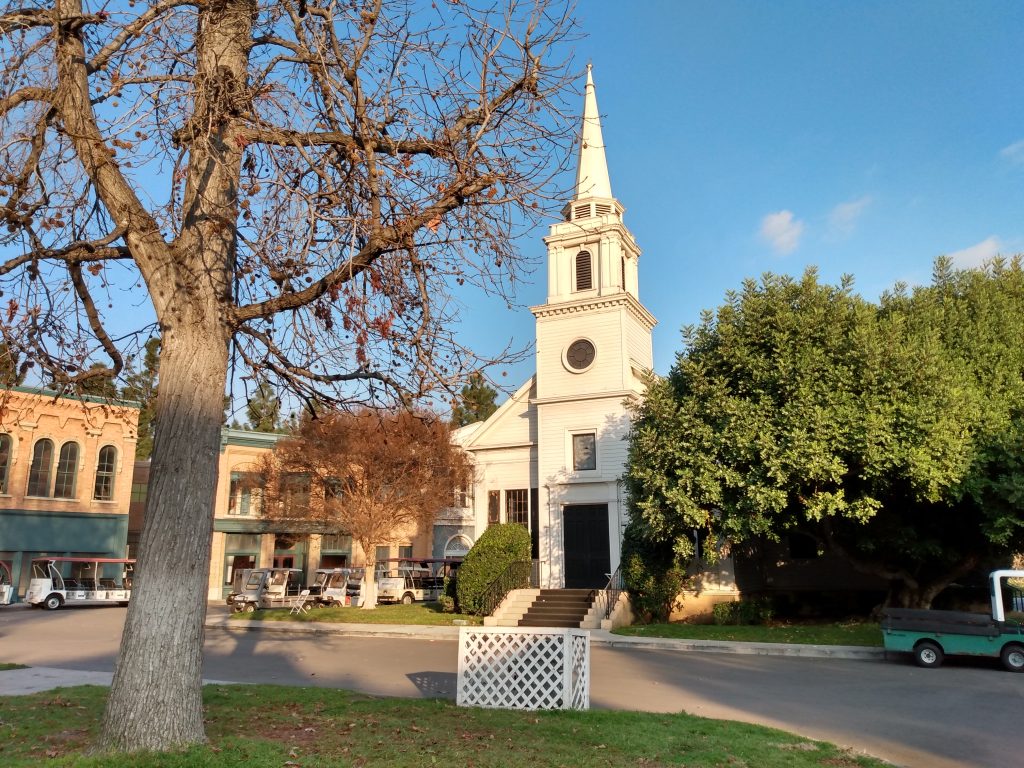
{"x":524,"y":668}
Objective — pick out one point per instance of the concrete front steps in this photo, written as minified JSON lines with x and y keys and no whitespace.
{"x":547,"y":608}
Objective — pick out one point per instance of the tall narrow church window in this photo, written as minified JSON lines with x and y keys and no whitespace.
{"x":623,"y":274}
{"x":584,"y":452}
{"x":39,"y":471}
{"x":244,"y":493}
{"x":493,"y":507}
{"x":67,"y":469}
{"x":103,"y":488}
{"x":517,"y":509}
{"x":584,"y":272}
{"x":5,"y":461}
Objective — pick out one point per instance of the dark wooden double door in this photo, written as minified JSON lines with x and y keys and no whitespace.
{"x":585,"y":544}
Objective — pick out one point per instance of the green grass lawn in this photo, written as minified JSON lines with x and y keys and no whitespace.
{"x":253,"y":726}
{"x":837,"y":633}
{"x":417,"y":613}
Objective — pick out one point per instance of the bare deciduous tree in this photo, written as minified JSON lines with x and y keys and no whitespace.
{"x":292,"y":187}
{"x":377,"y":477}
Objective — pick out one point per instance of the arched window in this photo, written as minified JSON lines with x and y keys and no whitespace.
{"x":5,"y":461}
{"x":105,"y":463}
{"x":457,"y":546}
{"x":39,"y":472}
{"x":67,"y":472}
{"x":584,"y":272}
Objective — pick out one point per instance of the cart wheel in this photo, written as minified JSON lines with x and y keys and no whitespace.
{"x":250,"y":608}
{"x":1013,"y":657}
{"x":406,"y":599}
{"x":53,"y":602}
{"x":928,"y":654}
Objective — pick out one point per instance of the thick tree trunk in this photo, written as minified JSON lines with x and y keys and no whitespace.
{"x":905,"y":589}
{"x":369,"y":592}
{"x":904,"y":594}
{"x":156,"y":697}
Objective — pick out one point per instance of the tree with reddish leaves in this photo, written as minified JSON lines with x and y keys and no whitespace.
{"x":281,"y":190}
{"x":379,"y":477}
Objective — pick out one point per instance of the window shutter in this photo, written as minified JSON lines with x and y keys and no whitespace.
{"x":584,"y":275}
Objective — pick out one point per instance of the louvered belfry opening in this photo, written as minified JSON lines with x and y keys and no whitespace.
{"x":584,"y":272}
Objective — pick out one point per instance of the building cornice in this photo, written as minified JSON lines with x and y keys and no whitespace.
{"x":597,"y":303}
{"x":71,"y":400}
{"x":572,"y":232}
{"x":247,"y":439}
{"x":617,"y":394}
{"x":503,"y":446}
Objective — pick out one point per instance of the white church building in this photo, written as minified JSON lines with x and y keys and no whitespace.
{"x":553,"y":455}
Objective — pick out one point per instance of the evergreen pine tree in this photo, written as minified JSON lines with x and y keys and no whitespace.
{"x":141,"y":387}
{"x":477,"y":402}
{"x":264,"y":408}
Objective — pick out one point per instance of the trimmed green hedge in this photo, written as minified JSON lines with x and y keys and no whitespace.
{"x":496,"y":549}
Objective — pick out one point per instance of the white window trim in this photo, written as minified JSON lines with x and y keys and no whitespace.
{"x":570,"y":464}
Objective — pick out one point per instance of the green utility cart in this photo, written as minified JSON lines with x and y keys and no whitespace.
{"x":932,"y":635}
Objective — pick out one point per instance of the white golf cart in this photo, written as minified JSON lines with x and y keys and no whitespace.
{"x":6,"y":584}
{"x":76,"y":581}
{"x":266,"y":588}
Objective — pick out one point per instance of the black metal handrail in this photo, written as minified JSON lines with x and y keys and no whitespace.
{"x":612,"y":590}
{"x":516,"y":576}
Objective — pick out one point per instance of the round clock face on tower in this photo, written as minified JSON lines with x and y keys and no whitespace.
{"x":580,"y":354}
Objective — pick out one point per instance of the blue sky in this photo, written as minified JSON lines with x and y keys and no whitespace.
{"x":747,"y":137}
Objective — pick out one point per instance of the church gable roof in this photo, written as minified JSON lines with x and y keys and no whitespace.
{"x":511,"y":424}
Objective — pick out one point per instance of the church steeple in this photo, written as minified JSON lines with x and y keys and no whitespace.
{"x":592,"y":167}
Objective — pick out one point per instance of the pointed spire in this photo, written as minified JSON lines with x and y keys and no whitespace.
{"x":592,"y":169}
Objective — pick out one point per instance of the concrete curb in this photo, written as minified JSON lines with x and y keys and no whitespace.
{"x":798,"y":650}
{"x":597,"y":637}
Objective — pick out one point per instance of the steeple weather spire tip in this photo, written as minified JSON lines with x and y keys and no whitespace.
{"x":592,"y":167}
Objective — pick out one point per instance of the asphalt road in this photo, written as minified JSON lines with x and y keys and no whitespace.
{"x":964,"y":714}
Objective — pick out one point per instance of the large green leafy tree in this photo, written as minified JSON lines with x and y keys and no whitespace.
{"x":476,"y":402}
{"x":892,"y":433}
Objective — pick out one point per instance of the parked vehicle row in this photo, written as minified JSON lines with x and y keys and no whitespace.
{"x":398,"y":581}
{"x":70,"y":581}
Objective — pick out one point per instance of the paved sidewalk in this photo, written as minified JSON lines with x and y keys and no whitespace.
{"x":19,"y":682}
